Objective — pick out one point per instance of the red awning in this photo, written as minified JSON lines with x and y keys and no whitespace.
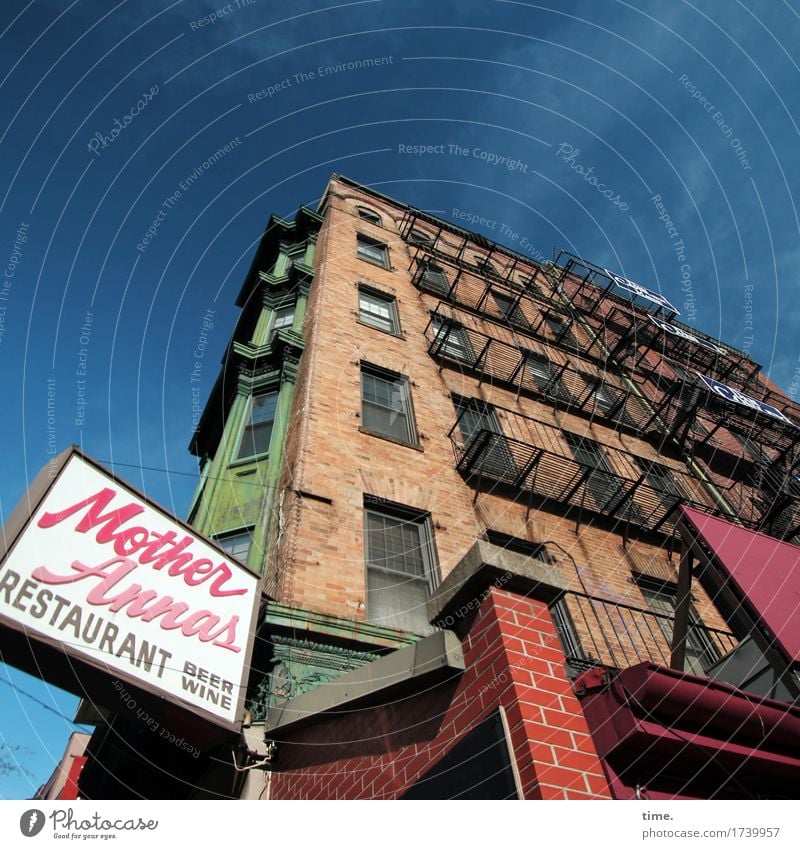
{"x":765,"y":571}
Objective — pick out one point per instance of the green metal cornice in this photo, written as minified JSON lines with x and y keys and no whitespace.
{"x":296,"y":622}
{"x":305,"y":225}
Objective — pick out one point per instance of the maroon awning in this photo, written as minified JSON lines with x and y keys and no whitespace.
{"x":764,"y":570}
{"x":675,"y":735}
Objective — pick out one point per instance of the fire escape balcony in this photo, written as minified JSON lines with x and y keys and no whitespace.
{"x":631,"y":331}
{"x":602,"y":632}
{"x":533,"y":369}
{"x":529,"y":456}
{"x":764,"y":487}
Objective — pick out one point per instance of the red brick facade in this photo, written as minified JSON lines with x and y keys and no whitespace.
{"x":514,"y":660}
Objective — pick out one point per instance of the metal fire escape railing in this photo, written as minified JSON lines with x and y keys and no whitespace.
{"x":504,"y":360}
{"x":551,"y":303}
{"x":540,"y":459}
{"x":764,"y":476}
{"x":596,"y":631}
{"x":631,"y":334}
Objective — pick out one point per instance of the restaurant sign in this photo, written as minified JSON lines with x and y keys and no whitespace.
{"x":97,"y":570}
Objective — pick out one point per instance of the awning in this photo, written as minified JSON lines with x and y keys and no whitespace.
{"x":763,"y":570}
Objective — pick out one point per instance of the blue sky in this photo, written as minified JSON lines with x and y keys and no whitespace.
{"x":657,"y":139}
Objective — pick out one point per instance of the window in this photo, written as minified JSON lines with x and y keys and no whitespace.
{"x":601,"y":482}
{"x":545,"y":377}
{"x":237,"y":545}
{"x":660,"y":479}
{"x":700,"y":650}
{"x":386,"y":405}
{"x":484,"y":264}
{"x":417,"y":237}
{"x":434,"y":279}
{"x":398,"y":548}
{"x":369,"y":215}
{"x":296,"y":255}
{"x":258,"y":431}
{"x":377,"y":310}
{"x":372,"y":251}
{"x":610,"y":401}
{"x":451,"y":340}
{"x":485,"y":447}
{"x":560,"y":330}
{"x":282,"y":318}
{"x":509,"y":307}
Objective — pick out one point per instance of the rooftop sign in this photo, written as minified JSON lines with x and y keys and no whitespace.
{"x":640,"y":291}
{"x":684,"y":334}
{"x":97,"y":570}
{"x":737,"y":397}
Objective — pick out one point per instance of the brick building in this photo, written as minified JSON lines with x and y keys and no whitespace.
{"x":477,"y":487}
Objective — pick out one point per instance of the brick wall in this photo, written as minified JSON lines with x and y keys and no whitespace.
{"x":514,"y":659}
{"x":318,"y":561}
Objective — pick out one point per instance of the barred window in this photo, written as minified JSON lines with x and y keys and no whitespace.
{"x":452,"y":340}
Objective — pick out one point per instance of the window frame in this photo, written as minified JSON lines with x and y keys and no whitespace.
{"x":452,"y":334}
{"x":272,"y":330}
{"x":390,"y":300}
{"x":396,"y":379}
{"x":698,"y":644}
{"x":555,"y":390}
{"x":371,"y":216}
{"x":512,"y":312}
{"x":234,"y":534}
{"x":422,"y":521}
{"x":364,"y":239}
{"x":247,"y":423}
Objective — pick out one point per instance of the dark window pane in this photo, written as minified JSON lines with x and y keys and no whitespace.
{"x":258,"y":432}
{"x":385,"y":407}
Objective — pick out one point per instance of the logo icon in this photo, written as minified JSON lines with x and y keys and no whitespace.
{"x":31,"y":822}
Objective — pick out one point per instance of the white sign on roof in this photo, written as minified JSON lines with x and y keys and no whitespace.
{"x":731,"y":394}
{"x":103,"y":574}
{"x":640,"y":291}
